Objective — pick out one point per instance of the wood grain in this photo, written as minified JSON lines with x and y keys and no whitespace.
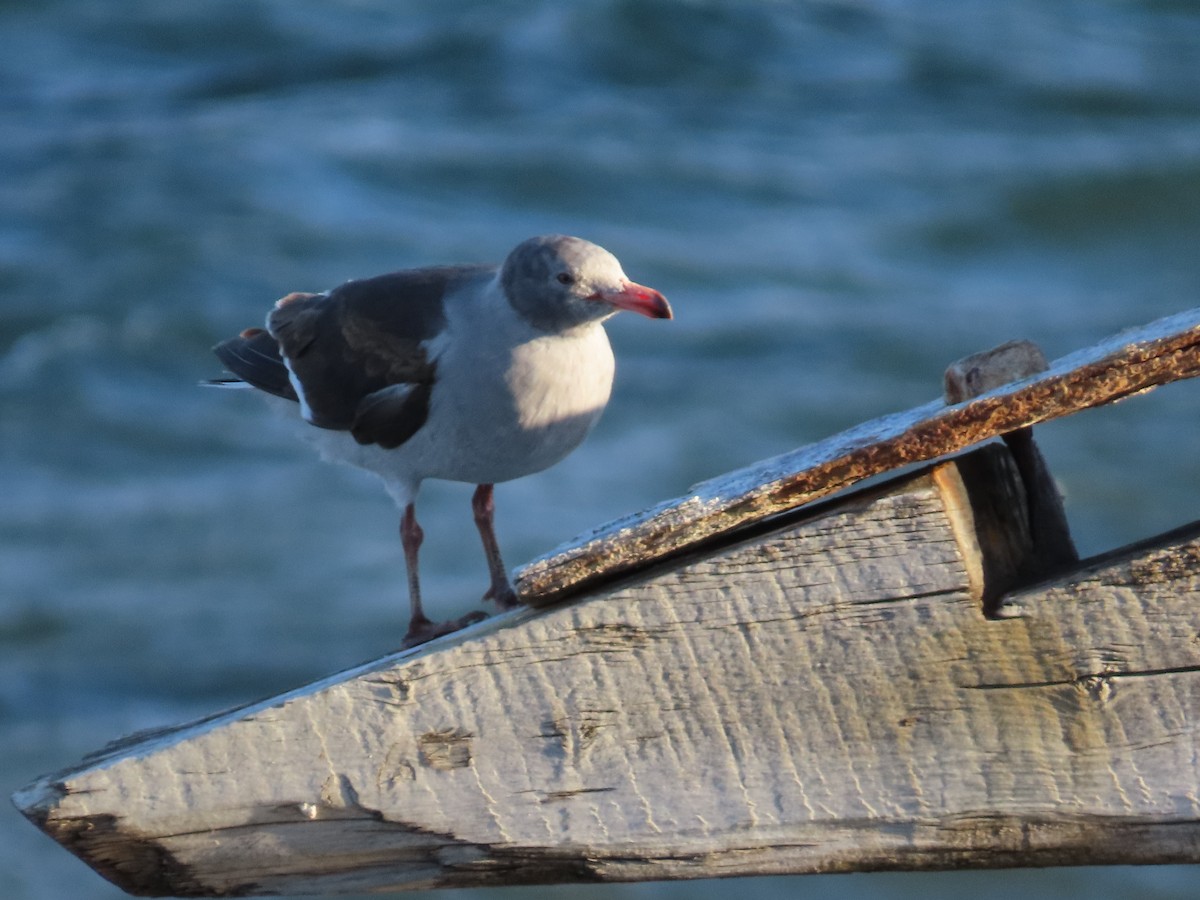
{"x":823,"y":695}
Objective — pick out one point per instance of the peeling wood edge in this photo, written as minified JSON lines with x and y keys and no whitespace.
{"x":1130,"y":363}
{"x":985,"y":840}
{"x":137,"y":865}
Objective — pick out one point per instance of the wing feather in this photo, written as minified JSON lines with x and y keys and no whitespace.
{"x":253,"y":356}
{"x":356,"y":357}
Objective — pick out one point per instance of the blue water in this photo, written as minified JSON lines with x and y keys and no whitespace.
{"x":838,"y":198}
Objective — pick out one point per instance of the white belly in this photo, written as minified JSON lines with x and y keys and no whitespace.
{"x":495,"y":420}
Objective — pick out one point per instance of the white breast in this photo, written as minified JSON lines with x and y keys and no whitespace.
{"x":509,"y":400}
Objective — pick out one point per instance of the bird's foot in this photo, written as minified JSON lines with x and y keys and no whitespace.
{"x":421,"y":630}
{"x":503,"y":596}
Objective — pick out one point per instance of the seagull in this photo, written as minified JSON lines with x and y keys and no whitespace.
{"x":472,"y":373}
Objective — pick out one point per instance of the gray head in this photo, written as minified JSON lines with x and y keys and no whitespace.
{"x":557,"y":282}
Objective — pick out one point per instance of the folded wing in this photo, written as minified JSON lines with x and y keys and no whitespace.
{"x":356,"y":358}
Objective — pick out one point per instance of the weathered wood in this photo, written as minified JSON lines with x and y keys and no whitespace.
{"x":979,"y":373}
{"x":1128,"y":363}
{"x":825,"y":694}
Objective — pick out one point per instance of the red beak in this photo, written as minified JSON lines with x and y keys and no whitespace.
{"x":639,"y":299}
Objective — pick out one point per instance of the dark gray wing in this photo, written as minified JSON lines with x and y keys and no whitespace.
{"x":358,"y":352}
{"x":253,"y":356}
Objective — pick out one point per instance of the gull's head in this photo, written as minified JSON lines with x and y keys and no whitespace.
{"x":557,"y":282}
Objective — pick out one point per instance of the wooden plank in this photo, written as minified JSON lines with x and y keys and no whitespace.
{"x":823,"y":695}
{"x":1128,"y":363}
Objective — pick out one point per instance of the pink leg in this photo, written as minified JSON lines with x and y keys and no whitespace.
{"x":420,"y":629}
{"x":484,"y":507}
{"x":411,"y":537}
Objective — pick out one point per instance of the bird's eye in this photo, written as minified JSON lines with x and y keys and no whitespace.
{"x":565,"y":278}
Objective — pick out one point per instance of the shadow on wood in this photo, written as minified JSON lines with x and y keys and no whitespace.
{"x":915,"y":675}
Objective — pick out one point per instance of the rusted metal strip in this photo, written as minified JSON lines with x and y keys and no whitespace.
{"x":1127,"y":363}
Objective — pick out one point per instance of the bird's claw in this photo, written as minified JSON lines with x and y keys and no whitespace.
{"x":422,"y":630}
{"x":503,"y":596}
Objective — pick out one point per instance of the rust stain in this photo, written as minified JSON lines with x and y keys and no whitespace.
{"x":1130,"y":364}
